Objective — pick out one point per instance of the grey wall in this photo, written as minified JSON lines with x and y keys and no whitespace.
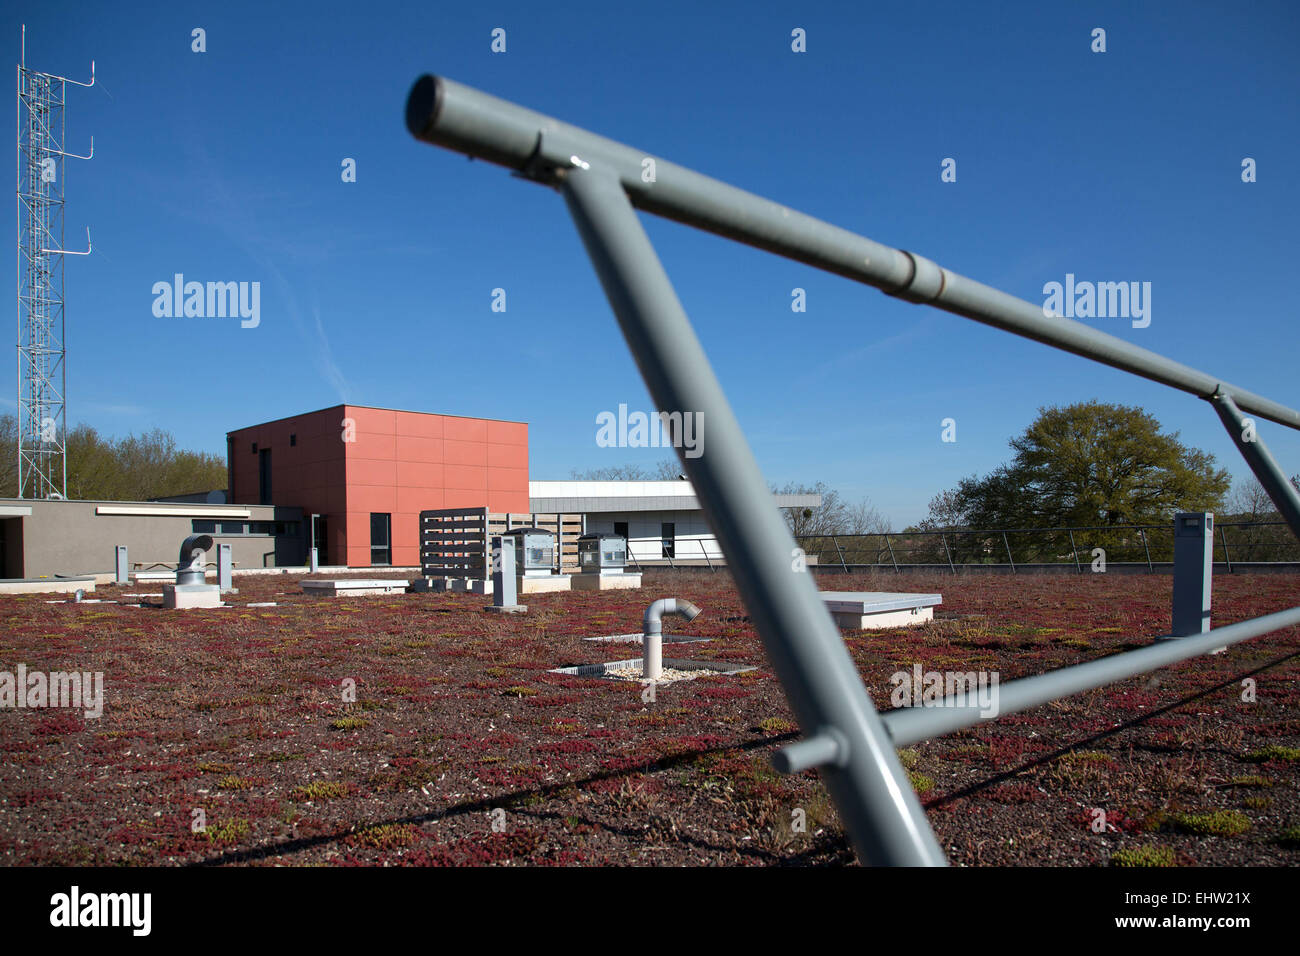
{"x":68,"y":537}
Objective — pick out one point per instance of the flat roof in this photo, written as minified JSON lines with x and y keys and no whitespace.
{"x":597,"y":497}
{"x":376,"y":408}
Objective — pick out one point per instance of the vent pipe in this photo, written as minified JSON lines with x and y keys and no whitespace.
{"x":189,"y":568}
{"x":652,"y":633}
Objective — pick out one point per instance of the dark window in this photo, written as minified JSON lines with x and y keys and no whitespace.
{"x":380,"y":531}
{"x":203,"y":526}
{"x":320,"y":538}
{"x":232,"y":527}
{"x":669,"y":535}
{"x":261,"y":527}
{"x":620,"y":528}
{"x":264,"y":476}
{"x":254,"y":448}
{"x":293,"y":440}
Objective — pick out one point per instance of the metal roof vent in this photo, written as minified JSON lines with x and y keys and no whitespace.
{"x":189,"y":569}
{"x":534,"y":550}
{"x":602,"y":553}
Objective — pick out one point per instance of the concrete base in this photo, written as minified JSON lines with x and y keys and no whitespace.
{"x":180,"y":596}
{"x":603,"y":669}
{"x":507,"y":608}
{"x":354,"y":587}
{"x":605,"y":582}
{"x":640,"y":639}
{"x":463,"y":585}
{"x":883,"y":619}
{"x":875,"y":610}
{"x":543,"y":585}
{"x":46,"y":585}
{"x":523,"y":585}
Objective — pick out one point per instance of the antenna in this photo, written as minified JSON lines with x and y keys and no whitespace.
{"x":42,"y":376}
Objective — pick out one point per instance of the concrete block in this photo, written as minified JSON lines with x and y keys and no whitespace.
{"x":181,"y":596}
{"x":355,"y":586}
{"x":47,"y":585}
{"x":543,"y":584}
{"x":606,"y":582}
{"x":874,"y":610}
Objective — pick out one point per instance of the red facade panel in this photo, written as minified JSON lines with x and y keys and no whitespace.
{"x":349,"y":461}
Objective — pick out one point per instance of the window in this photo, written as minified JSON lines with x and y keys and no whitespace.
{"x":620,"y":528}
{"x":381,"y":526}
{"x":320,"y":538}
{"x":232,"y":527}
{"x":293,"y":440}
{"x":669,"y":535}
{"x":201,"y":526}
{"x":254,"y":448}
{"x":264,"y":476}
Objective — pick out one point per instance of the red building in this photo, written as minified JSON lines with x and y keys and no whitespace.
{"x":369,"y":472}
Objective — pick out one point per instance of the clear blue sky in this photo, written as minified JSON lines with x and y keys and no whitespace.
{"x":1122,"y":166}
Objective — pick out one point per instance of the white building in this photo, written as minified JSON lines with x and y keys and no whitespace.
{"x":662,"y":520}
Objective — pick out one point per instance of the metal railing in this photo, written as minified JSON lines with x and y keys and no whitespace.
{"x":603,"y":183}
{"x":1238,"y":545}
{"x":1078,"y":549}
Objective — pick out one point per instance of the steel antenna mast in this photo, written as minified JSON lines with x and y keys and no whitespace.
{"x":42,"y":373}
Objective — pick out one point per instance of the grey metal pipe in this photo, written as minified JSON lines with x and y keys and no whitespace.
{"x":880,"y":809}
{"x":1262,"y":463}
{"x":913,"y":724}
{"x":652,"y":622}
{"x":458,"y":117}
{"x":189,"y":567}
{"x":652,"y":633}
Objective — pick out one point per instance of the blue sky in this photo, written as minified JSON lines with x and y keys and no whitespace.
{"x":1115,"y":166}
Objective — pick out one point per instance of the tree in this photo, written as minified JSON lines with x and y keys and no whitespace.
{"x":1084,"y":465}
{"x":8,"y":456}
{"x":125,"y":469}
{"x":667,"y":470}
{"x":833,"y":516}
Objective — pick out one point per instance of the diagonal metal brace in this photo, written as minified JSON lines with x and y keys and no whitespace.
{"x":1261,"y":461}
{"x":876,"y":800}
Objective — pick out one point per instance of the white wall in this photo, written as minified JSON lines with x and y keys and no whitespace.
{"x":693,"y":538}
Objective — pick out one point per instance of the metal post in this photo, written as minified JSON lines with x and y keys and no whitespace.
{"x":843,"y":566}
{"x":1074,"y":551}
{"x":946,"y":553}
{"x":1262,"y":463}
{"x":705,"y":550}
{"x":891,"y":554}
{"x":1226,"y":557}
{"x":122,"y":567}
{"x":225,"y":567}
{"x":880,"y":809}
{"x":1193,"y":572}
{"x":504,"y":586}
{"x":1010,"y":559}
{"x":1146,"y":548}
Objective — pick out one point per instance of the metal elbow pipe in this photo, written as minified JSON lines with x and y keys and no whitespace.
{"x":653,"y":622}
{"x":652,"y":633}
{"x":189,"y":568}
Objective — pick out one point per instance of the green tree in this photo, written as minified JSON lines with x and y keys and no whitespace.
{"x":123,"y":469}
{"x":1087,"y":464}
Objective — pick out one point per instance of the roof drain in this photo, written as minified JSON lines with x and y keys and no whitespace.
{"x":189,"y":569}
{"x":652,"y":632}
